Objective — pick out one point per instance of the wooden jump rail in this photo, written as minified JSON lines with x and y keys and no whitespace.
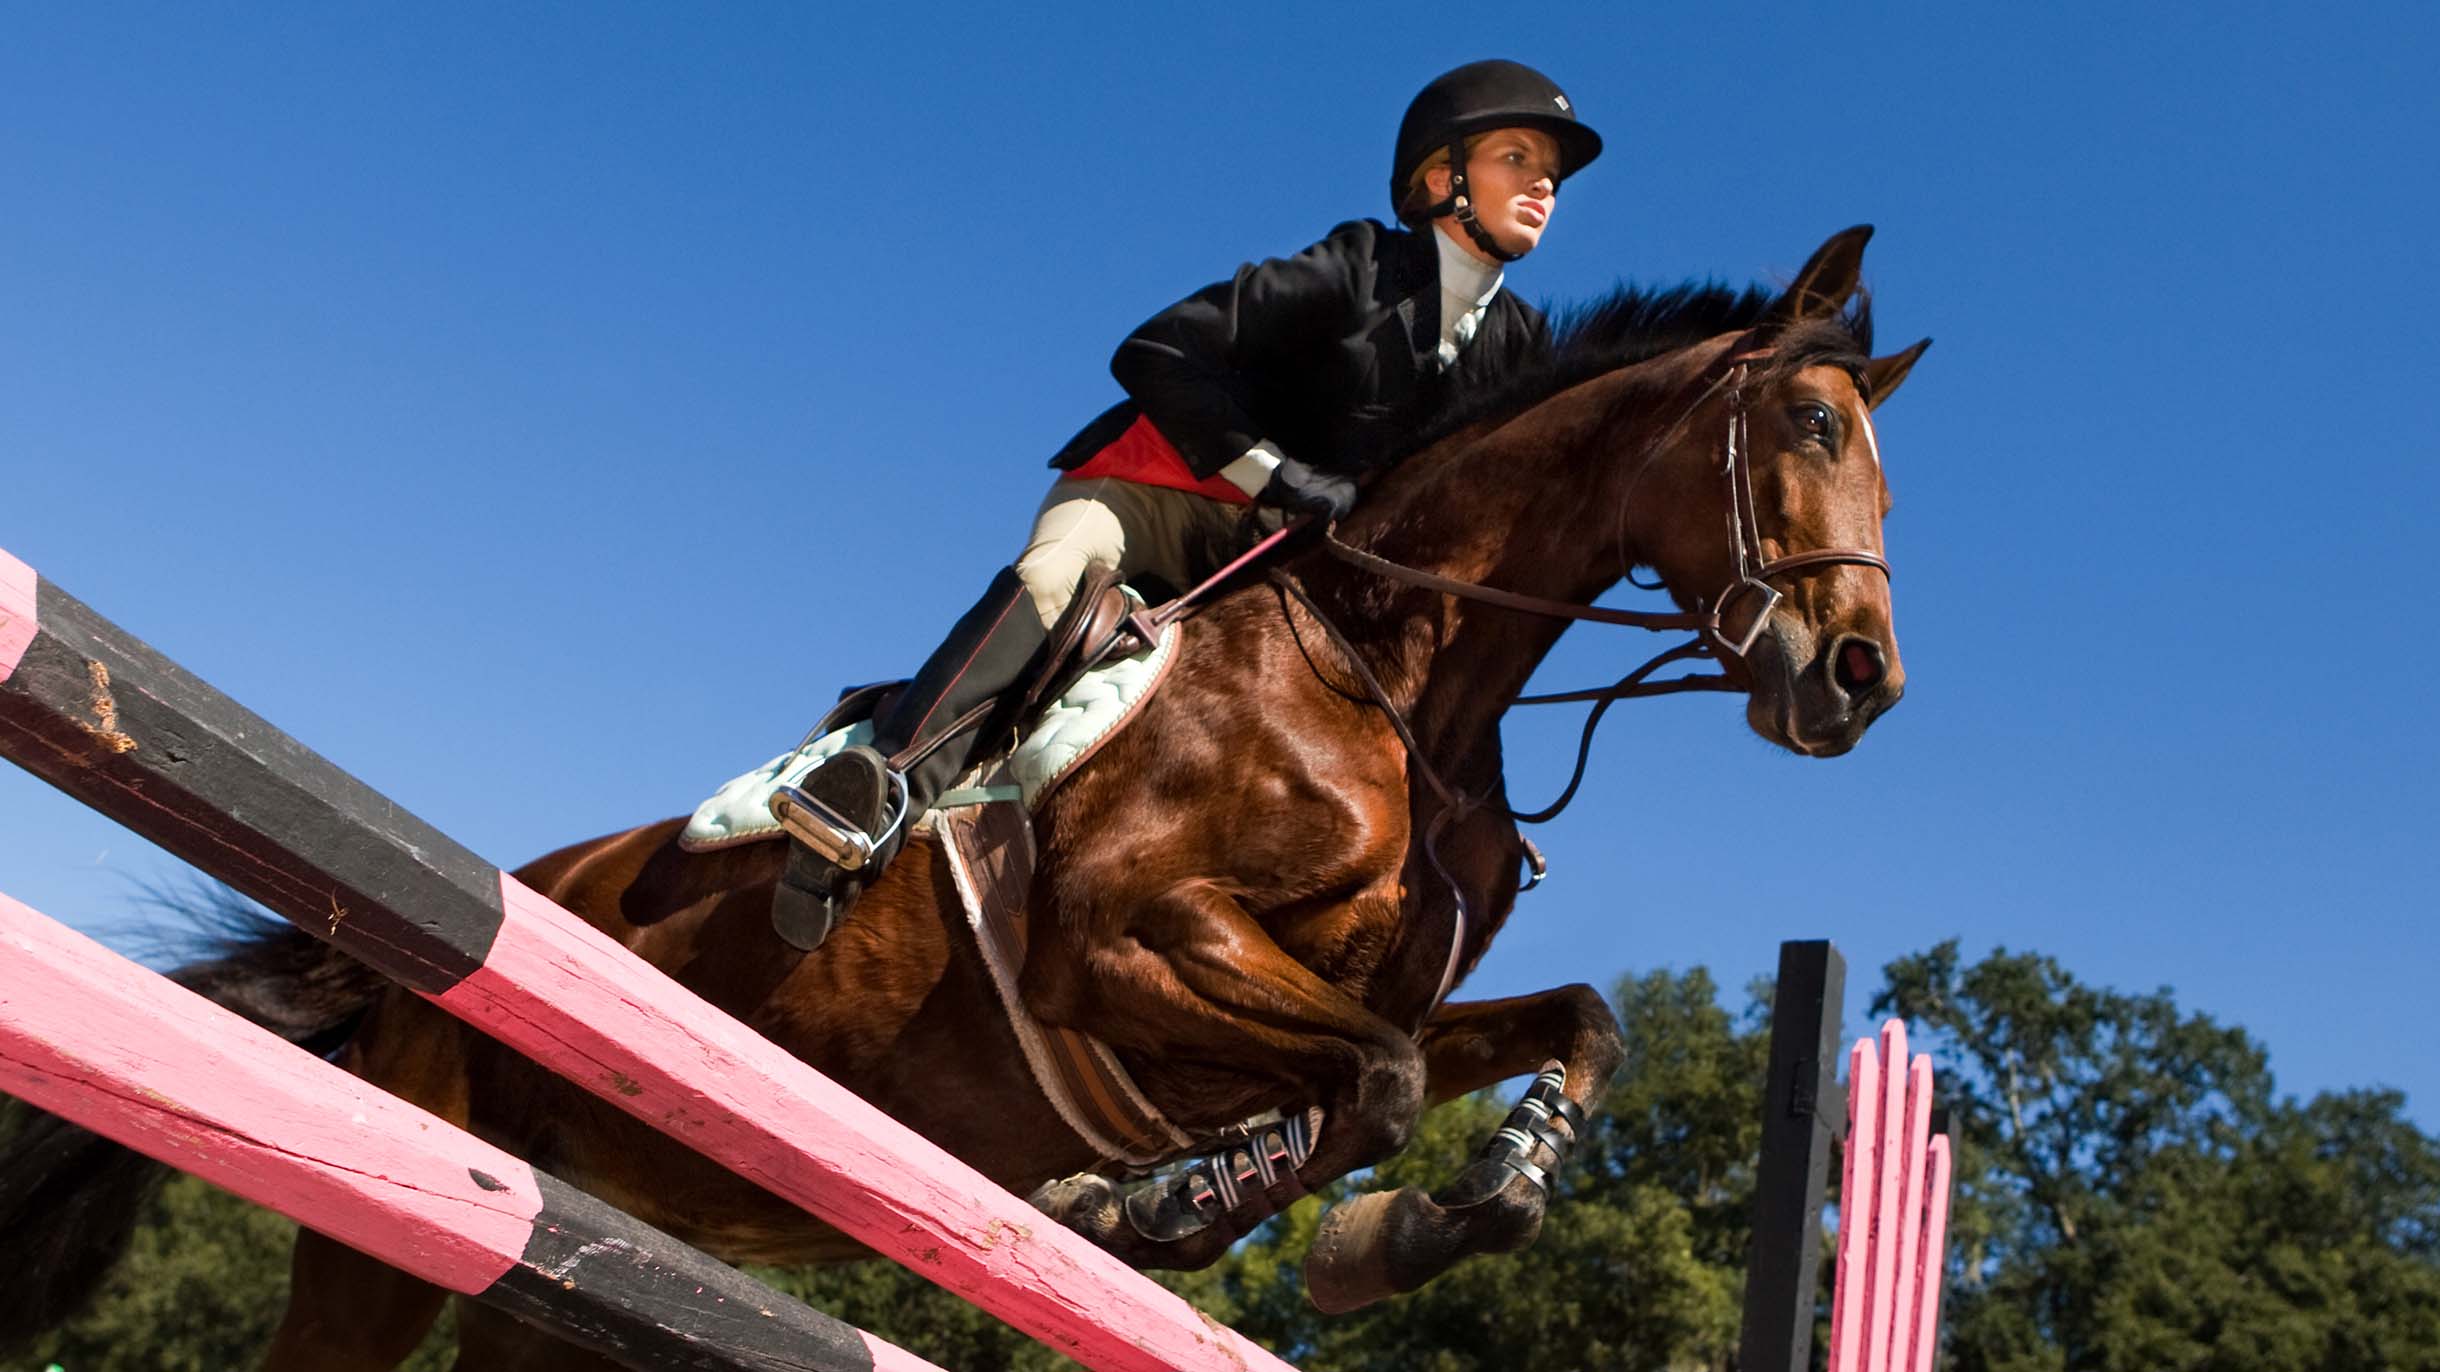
{"x":97,"y":713}
{"x":128,"y":1054}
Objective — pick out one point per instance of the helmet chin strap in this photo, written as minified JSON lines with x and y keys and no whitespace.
{"x":1461,"y":205}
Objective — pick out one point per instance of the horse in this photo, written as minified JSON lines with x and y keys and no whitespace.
{"x":1259,"y":893}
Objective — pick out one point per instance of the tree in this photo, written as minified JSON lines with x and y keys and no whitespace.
{"x":2131,"y":1195}
{"x":200,"y":1290}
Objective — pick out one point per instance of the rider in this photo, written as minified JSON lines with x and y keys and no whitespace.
{"x":1278,"y":387}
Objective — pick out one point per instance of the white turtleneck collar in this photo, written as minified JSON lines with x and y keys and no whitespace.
{"x":1467,"y":284}
{"x":1463,"y":276}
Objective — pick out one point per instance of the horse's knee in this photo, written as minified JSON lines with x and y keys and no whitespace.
{"x":1389,"y":1099}
{"x":1597,"y":1044}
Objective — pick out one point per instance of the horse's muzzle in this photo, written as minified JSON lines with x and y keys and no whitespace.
{"x":1823,"y":708}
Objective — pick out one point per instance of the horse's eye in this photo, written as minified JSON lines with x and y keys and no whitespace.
{"x":1814,"y":420}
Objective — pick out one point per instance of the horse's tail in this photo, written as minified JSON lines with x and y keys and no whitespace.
{"x":71,"y":1200}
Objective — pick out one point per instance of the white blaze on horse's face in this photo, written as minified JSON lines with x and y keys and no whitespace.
{"x":1827,"y":665}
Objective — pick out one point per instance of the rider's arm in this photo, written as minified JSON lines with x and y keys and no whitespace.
{"x":1196,"y":368}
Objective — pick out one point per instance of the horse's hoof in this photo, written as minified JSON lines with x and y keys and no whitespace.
{"x":1089,"y":1204}
{"x":1349,"y":1266}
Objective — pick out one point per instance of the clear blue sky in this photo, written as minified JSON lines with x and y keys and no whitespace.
{"x":540,"y":410}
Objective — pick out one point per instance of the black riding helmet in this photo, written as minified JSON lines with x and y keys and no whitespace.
{"x":1476,"y":98}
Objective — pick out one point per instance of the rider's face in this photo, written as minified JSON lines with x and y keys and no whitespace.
{"x":1514,"y":177}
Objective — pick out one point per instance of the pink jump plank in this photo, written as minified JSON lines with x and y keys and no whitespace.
{"x":560,"y":991}
{"x":1931,"y":1265}
{"x":87,"y":1035}
{"x":1890,"y":1152}
{"x":18,"y":623}
{"x":1910,"y":1211}
{"x":122,"y":1051}
{"x":1857,"y":1174}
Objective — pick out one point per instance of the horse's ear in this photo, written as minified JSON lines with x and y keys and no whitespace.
{"x":1883,"y":374}
{"x":1822,"y":288}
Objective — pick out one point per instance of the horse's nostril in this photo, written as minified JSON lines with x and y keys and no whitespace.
{"x":1857,"y":666}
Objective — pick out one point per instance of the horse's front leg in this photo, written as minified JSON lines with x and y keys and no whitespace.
{"x":1198,"y":982}
{"x":1385,"y":1242}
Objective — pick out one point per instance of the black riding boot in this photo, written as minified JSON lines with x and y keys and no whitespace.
{"x":985,"y":655}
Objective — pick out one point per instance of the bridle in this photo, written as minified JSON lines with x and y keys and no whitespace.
{"x":1709,"y":623}
{"x":1753,"y":569}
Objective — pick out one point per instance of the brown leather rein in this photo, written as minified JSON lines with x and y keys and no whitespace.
{"x":1753,"y":573}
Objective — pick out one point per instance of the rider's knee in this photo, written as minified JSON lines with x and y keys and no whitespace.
{"x":1070,"y":532}
{"x":1050,"y":583}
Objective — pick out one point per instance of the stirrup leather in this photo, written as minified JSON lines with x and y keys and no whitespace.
{"x":831,"y":835}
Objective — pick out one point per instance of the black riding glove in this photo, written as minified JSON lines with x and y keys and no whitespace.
{"x":1295,"y":486}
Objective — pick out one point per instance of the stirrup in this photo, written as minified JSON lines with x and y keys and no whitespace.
{"x":837,"y":839}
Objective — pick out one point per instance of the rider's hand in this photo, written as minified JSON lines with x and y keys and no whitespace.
{"x":1257,"y":523}
{"x":1295,"y":486}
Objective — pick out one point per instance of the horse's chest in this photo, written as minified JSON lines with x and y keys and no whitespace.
{"x":1349,"y":946}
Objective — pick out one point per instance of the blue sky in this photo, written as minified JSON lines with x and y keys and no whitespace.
{"x":540,"y":410}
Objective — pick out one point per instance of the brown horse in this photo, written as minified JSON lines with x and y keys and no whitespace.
{"x":1236,"y":893}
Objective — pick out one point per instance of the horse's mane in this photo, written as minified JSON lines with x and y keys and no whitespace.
{"x":1636,"y":324}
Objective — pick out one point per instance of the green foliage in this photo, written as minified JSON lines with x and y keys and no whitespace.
{"x":201,"y":1289}
{"x":1640,"y":1264}
{"x":2132,"y":1195}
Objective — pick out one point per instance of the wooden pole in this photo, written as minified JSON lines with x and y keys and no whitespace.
{"x":1801,"y":1107}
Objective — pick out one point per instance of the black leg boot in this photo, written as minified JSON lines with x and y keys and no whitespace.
{"x":985,"y":655}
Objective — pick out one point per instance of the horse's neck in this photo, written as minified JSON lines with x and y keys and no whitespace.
{"x":1529,"y":507}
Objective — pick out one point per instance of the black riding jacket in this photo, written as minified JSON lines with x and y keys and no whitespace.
{"x":1331,"y":355}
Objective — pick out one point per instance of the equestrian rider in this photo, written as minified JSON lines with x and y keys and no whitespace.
{"x":1278,"y":387}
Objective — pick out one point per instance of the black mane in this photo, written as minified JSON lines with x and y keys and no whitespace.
{"x":1636,"y":324}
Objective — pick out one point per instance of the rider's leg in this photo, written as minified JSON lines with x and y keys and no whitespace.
{"x":986,"y":654}
{"x":1176,"y":535}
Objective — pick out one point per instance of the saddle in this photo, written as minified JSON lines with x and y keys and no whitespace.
{"x":1092,"y":679}
{"x":1101,"y":624}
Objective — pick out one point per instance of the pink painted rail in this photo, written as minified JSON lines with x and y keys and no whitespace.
{"x":1893,"y":1213}
{"x":124,"y":1052}
{"x":101,"y":715}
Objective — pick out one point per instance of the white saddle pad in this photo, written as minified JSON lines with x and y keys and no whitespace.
{"x":740,"y":812}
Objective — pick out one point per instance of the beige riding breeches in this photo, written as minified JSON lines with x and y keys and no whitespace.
{"x":1175,"y":535}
